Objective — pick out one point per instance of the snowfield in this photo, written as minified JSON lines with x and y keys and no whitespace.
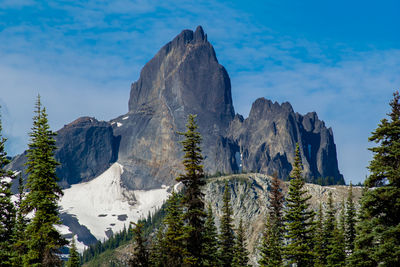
{"x":103,"y":204}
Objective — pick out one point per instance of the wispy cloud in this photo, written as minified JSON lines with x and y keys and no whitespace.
{"x":82,"y":56}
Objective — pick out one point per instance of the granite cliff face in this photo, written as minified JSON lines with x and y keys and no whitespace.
{"x":183,"y":78}
{"x":85,"y":148}
{"x":268,"y":137}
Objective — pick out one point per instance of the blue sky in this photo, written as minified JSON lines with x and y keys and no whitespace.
{"x":338,"y":58}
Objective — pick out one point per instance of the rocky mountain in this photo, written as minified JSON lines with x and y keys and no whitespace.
{"x":183,"y":78}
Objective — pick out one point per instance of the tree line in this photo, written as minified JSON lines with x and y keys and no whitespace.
{"x":294,"y":234}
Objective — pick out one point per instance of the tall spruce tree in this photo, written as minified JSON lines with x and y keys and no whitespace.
{"x":350,"y":219}
{"x":298,"y":219}
{"x":319,"y":260}
{"x":19,"y":238}
{"x":378,"y":232}
{"x":140,"y":256}
{"x":241,"y":255}
{"x":74,"y":259}
{"x":210,"y":241}
{"x":7,"y":209}
{"x":157,"y":255}
{"x":328,"y":228}
{"x":193,"y":200}
{"x":337,"y":248}
{"x":226,"y":237}
{"x":175,"y":250}
{"x":44,"y":240}
{"x":271,"y":247}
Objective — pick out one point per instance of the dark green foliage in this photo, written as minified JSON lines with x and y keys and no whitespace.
{"x":378,"y":232}
{"x":350,"y":220}
{"x":74,"y":259}
{"x":7,"y":209}
{"x":319,"y":260}
{"x":298,"y":219}
{"x":227,"y":238}
{"x":337,"y":255}
{"x":241,"y":255}
{"x":271,"y":247}
{"x":140,"y":256}
{"x":19,"y":238}
{"x":175,"y":235}
{"x":328,"y":228}
{"x":193,"y":179}
{"x":210,"y":241}
{"x":44,"y":240}
{"x":157,"y":255}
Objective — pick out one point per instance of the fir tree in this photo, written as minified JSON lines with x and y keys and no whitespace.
{"x":337,"y":255}
{"x":210,"y":243}
{"x":298,"y":219}
{"x":227,"y":238}
{"x":44,"y":240}
{"x":350,"y":219}
{"x":157,"y":251}
{"x":7,"y":209}
{"x":174,"y":249}
{"x":378,"y":232}
{"x":271,"y":247}
{"x":193,"y":179}
{"x":319,"y":260}
{"x":19,"y":238}
{"x":328,"y":228}
{"x":74,"y":259}
{"x":140,"y":256}
{"x":241,"y":255}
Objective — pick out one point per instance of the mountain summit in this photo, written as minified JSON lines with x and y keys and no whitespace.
{"x":183,"y":78}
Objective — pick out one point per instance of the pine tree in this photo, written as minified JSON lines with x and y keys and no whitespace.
{"x":298,"y":219}
{"x":210,"y":243}
{"x":174,"y":249}
{"x":320,"y":259}
{"x":328,"y":228}
{"x":140,"y":256}
{"x":337,"y":246}
{"x":227,"y":238}
{"x":378,"y":232}
{"x":350,"y":219}
{"x":271,"y":247}
{"x":157,"y":250}
{"x":193,"y":179}
{"x":74,"y":259}
{"x":19,"y":238}
{"x":44,"y":240}
{"x":241,"y":255}
{"x":7,"y":209}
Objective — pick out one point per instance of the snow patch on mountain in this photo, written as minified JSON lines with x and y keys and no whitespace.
{"x":105,"y":206}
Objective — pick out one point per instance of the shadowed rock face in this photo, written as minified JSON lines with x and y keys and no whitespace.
{"x":268,"y":137}
{"x":85,"y":149}
{"x":183,"y":78}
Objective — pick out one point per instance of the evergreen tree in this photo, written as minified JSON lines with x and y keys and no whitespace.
{"x":7,"y":209}
{"x":157,"y":251}
{"x":19,"y":239}
{"x":175,"y":250}
{"x":337,"y":255}
{"x":298,"y":219}
{"x":319,"y":260}
{"x":328,"y":228}
{"x":241,"y":255}
{"x":378,"y":233}
{"x":210,"y":243}
{"x":193,"y":179}
{"x":44,"y":240}
{"x":350,"y":219}
{"x":140,"y":256}
{"x":271,"y":247}
{"x":227,"y":238}
{"x":74,"y":259}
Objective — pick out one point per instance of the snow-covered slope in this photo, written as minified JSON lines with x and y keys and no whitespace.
{"x":104,"y":205}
